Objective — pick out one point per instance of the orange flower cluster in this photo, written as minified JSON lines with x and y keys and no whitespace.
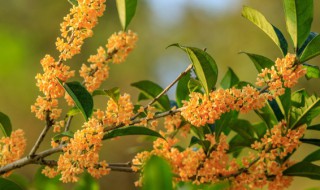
{"x":77,"y":26}
{"x":81,"y":153}
{"x":120,"y":44}
{"x":12,"y":148}
{"x":202,"y":109}
{"x":117,"y":113}
{"x":285,"y":73}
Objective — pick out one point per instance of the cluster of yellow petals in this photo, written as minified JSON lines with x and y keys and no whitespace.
{"x":285,"y":73}
{"x":120,"y":44}
{"x":12,"y":148}
{"x":117,"y":112}
{"x":45,"y":105}
{"x":77,"y":26}
{"x":202,"y":108}
{"x":80,"y":154}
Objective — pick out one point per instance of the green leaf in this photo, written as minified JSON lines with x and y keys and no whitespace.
{"x":311,"y":141}
{"x":131,"y":130}
{"x":126,"y":11}
{"x":312,"y":49}
{"x":152,"y":90}
{"x":237,"y":143}
{"x":229,"y":80}
{"x":260,"y":129}
{"x":222,"y":124}
{"x":6,"y":184}
{"x":314,"y":127}
{"x":42,"y":182}
{"x":311,"y":36}
{"x":73,"y":111}
{"x":194,"y":85}
{"x":81,"y":97}
{"x":267,"y":115}
{"x":260,"y":62}
{"x":243,"y":128}
{"x":274,"y":33}
{"x":308,"y":109}
{"x":142,"y":97}
{"x":299,"y":16}
{"x":204,"y":65}
{"x":312,"y":71}
{"x":303,"y":169}
{"x":5,"y":124}
{"x":284,"y":102}
{"x":73,"y":2}
{"x":157,"y":175}
{"x":182,"y":91}
{"x":86,"y":182}
{"x":314,"y":156}
{"x":63,"y":134}
{"x":113,"y":93}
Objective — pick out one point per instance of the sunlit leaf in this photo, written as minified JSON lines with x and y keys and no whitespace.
{"x":194,"y":85}
{"x":63,"y":134}
{"x":204,"y":65}
{"x":81,"y":97}
{"x":311,"y":36}
{"x":312,"y":71}
{"x":229,"y":79}
{"x":274,"y":33}
{"x":152,"y":90}
{"x":299,"y":16}
{"x":5,"y":124}
{"x":267,"y":115}
{"x":157,"y":175}
{"x":312,"y":49}
{"x":73,"y":111}
{"x":126,"y":11}
{"x":284,"y":102}
{"x":131,"y":130}
{"x":303,"y":169}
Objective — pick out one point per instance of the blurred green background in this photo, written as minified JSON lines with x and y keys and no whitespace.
{"x":28,"y":30}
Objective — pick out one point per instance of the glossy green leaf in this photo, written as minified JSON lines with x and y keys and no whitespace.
{"x":126,"y":11}
{"x":182,"y":91}
{"x":274,"y":33}
{"x":6,"y":184}
{"x":311,"y":141}
{"x":299,"y":16}
{"x":303,"y":169}
{"x":131,"y":130}
{"x":311,"y":36}
{"x":152,"y":90}
{"x":314,"y":127}
{"x":87,"y":182}
{"x":229,"y":79}
{"x":260,"y":62}
{"x":73,"y":2}
{"x":157,"y":175}
{"x":81,"y":97}
{"x":312,"y":50}
{"x":308,"y":109}
{"x":312,"y":71}
{"x":222,"y":124}
{"x":276,"y":109}
{"x":267,"y":115}
{"x":284,"y":102}
{"x":5,"y":124}
{"x":204,"y":65}
{"x":314,"y":156}
{"x":63,"y":134}
{"x":194,"y":85}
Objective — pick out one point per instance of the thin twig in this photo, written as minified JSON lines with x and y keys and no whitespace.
{"x":68,"y":123}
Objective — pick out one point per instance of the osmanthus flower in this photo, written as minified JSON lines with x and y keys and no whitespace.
{"x":80,"y":154}
{"x":45,"y":105}
{"x":12,"y":148}
{"x":77,"y":26}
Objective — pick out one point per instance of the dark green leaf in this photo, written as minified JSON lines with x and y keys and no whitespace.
{"x":194,"y":85}
{"x":229,"y":80}
{"x":312,"y":50}
{"x":152,"y":90}
{"x":157,"y":175}
{"x":131,"y":130}
{"x":311,"y":141}
{"x":73,"y":2}
{"x":222,"y":124}
{"x":312,"y":71}
{"x":242,"y":84}
{"x":20,"y":179}
{"x":81,"y":97}
{"x":142,"y":97}
{"x":276,"y":109}
{"x":126,"y":11}
{"x":237,"y":143}
{"x":298,"y":98}
{"x":314,"y":127}
{"x":43,"y":182}
{"x":311,"y":36}
{"x":243,"y":128}
{"x":299,"y":16}
{"x":314,"y":156}
{"x":284,"y":102}
{"x":87,"y":182}
{"x":260,"y":129}
{"x":260,"y":62}
{"x":6,"y":184}
{"x":63,"y":134}
{"x":303,"y":169}
{"x":274,"y":33}
{"x":182,"y":91}
{"x":5,"y":124}
{"x":204,"y":65}
{"x":267,"y":115}
{"x":113,"y":93}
